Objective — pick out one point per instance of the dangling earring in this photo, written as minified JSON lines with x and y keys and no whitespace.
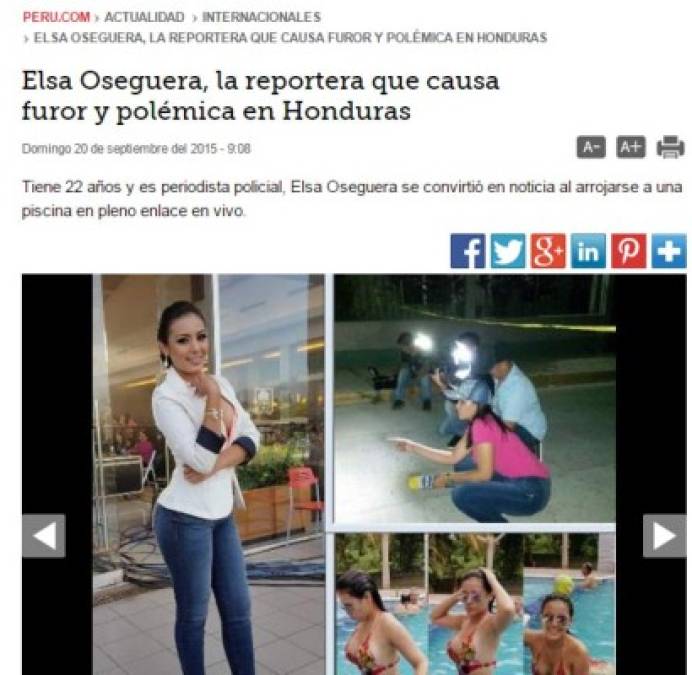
{"x":165,"y":365}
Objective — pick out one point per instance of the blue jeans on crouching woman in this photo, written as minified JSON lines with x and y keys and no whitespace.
{"x":204,"y":555}
{"x":489,"y":501}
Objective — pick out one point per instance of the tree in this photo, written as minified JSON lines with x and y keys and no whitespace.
{"x":584,"y":547}
{"x":407,"y":553}
{"x":358,"y":551}
{"x":450,"y":556}
{"x":509,"y":559}
{"x":541,"y":547}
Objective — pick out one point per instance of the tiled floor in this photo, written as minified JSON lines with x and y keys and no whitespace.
{"x":134,"y":636}
{"x":579,"y":449}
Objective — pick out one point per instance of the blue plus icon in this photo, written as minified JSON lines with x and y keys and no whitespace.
{"x":669,"y":251}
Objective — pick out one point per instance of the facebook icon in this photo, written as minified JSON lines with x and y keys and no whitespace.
{"x":468,"y":251}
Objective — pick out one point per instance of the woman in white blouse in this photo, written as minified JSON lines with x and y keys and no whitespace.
{"x":209,"y":434}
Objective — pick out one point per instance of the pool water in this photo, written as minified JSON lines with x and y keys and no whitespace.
{"x":416,"y":624}
{"x":509,"y":653}
{"x":594,"y":615}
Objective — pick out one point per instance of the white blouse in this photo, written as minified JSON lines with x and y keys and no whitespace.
{"x":178,"y":414}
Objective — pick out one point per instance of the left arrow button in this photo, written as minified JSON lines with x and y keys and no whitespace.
{"x":43,"y":535}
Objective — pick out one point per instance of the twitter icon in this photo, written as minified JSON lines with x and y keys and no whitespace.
{"x":508,"y":251}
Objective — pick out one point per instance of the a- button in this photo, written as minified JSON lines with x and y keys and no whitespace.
{"x":665,"y":535}
{"x":43,"y":535}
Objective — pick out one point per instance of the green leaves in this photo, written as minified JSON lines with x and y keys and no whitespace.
{"x":270,"y":466}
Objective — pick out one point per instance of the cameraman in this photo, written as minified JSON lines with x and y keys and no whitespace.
{"x":413,"y":366}
{"x":516,"y":401}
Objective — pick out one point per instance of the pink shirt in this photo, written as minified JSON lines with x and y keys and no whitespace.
{"x":511,"y":458}
{"x":143,"y":448}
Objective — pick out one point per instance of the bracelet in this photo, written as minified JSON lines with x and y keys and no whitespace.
{"x":213,"y":412}
{"x":449,"y":481}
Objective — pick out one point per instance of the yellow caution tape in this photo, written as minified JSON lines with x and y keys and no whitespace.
{"x":513,"y":324}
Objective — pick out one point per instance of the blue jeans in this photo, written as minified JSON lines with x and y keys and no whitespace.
{"x":405,"y":378}
{"x":487,"y":501}
{"x":451,"y":425}
{"x":204,"y":555}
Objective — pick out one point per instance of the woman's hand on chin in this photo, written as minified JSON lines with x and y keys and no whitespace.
{"x":205,"y":385}
{"x":193,"y":476}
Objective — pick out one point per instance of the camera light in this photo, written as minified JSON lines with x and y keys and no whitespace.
{"x":463,"y":373}
{"x":462,"y":354}
{"x":423,"y":342}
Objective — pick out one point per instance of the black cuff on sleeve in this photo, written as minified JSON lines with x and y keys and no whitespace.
{"x":247,"y":444}
{"x":210,"y":440}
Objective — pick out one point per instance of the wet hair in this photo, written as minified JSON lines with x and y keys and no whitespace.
{"x":558,"y":597}
{"x":357,"y":584}
{"x":405,"y":598}
{"x":588,"y":566}
{"x":168,"y":316}
{"x":405,"y":339}
{"x":480,"y":575}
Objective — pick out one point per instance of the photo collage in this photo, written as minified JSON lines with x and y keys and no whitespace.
{"x":420,"y":471}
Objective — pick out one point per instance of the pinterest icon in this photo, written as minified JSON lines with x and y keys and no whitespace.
{"x":628,"y":250}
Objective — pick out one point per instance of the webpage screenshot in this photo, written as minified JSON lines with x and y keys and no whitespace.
{"x":346,"y":338}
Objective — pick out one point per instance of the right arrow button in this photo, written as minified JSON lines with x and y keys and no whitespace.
{"x":664,"y":535}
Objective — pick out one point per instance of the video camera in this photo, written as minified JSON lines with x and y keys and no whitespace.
{"x":379,"y":381}
{"x":455,"y":367}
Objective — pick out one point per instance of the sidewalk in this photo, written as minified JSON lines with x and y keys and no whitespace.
{"x":579,"y":449}
{"x":134,"y":636}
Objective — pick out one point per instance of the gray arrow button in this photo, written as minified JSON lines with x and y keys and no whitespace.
{"x":43,"y":535}
{"x":665,"y":535}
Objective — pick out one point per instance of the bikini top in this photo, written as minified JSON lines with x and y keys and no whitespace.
{"x":560,"y":669}
{"x":465,"y":658}
{"x":363,"y":659}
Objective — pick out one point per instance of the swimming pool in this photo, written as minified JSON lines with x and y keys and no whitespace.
{"x":509,"y":653}
{"x":416,"y":624}
{"x":594,"y":614}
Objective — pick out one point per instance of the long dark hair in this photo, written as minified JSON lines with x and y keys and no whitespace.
{"x":480,"y":575}
{"x":168,"y":316}
{"x":484,"y":411}
{"x":357,"y":584}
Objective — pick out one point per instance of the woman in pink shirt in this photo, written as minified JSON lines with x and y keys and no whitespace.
{"x":143,"y":447}
{"x":494,"y":474}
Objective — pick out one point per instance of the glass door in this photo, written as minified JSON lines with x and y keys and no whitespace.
{"x":131,"y":461}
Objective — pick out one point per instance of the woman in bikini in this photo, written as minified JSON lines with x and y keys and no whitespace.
{"x":478,"y":631}
{"x":553,"y":650}
{"x":378,"y":639}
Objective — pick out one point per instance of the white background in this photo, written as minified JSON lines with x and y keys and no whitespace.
{"x":608,"y":68}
